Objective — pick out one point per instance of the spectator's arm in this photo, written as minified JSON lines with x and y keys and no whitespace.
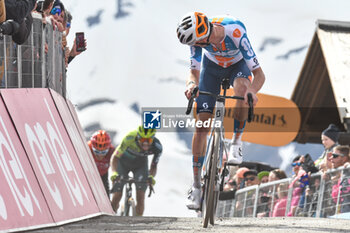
{"x":70,"y":58}
{"x":73,"y":53}
{"x":53,"y":22}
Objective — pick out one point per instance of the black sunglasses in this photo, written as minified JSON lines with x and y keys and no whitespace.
{"x":335,"y":155}
{"x":252,"y":178}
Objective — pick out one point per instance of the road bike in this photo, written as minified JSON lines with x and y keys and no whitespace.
{"x":129,"y":208}
{"x":213,"y":173}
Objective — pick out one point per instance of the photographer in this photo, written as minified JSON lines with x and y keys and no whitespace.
{"x":20,"y":13}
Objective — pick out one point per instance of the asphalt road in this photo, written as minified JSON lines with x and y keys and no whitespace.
{"x":172,"y":224}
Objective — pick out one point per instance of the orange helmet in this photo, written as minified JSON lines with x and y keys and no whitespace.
{"x":100,"y":141}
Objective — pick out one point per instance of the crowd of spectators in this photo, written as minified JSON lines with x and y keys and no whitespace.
{"x":298,"y":195}
{"x":16,"y":20}
{"x":61,"y":19}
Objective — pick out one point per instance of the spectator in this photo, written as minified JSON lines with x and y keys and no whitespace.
{"x":57,"y":15}
{"x":263,"y":177}
{"x":230,"y":186}
{"x":330,"y":177}
{"x":230,"y":178}
{"x":264,"y":198}
{"x":298,"y":183}
{"x":329,"y":139}
{"x":72,"y":52}
{"x":311,"y":194}
{"x":239,"y":177}
{"x":340,"y":157}
{"x":102,"y":150}
{"x":20,"y":12}
{"x":308,"y":164}
{"x":229,"y":190}
{"x":44,"y":7}
{"x":69,"y":18}
{"x":251,"y":178}
{"x":279,"y":209}
{"x":277,"y":174}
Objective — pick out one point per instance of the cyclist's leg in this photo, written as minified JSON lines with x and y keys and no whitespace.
{"x":141,"y":174}
{"x":116,"y":197}
{"x":210,"y":80}
{"x":105,"y":182}
{"x":241,"y":78}
{"x":117,"y":190}
{"x":140,"y":202}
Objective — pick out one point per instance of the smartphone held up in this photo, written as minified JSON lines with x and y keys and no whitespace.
{"x":80,"y":41}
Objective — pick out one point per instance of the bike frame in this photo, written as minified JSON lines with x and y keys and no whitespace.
{"x":212,"y":169}
{"x":129,"y":201}
{"x":216,"y":134}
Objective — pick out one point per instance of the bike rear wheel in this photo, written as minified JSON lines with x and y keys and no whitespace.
{"x":210,"y":193}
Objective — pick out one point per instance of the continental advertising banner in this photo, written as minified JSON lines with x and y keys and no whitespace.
{"x":276,"y":120}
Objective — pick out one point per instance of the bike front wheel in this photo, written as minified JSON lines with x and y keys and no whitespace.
{"x":210,"y":193}
{"x":129,"y":207}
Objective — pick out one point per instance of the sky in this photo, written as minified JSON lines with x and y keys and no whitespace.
{"x":141,"y":48}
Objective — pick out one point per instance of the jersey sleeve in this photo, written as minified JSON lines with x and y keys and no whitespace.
{"x":240,"y":38}
{"x":157,"y":150}
{"x":196,"y":57}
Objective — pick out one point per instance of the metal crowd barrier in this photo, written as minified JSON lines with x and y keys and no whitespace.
{"x":326,"y":195}
{"x":29,"y":65}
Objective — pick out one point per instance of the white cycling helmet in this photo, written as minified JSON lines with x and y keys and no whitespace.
{"x":193,"y":27}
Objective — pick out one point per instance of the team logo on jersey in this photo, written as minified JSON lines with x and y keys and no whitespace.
{"x":239,"y":74}
{"x":193,"y":50}
{"x":205,"y":105}
{"x":246,"y":48}
{"x":237,"y":33}
{"x":152,"y":119}
{"x":256,"y":62}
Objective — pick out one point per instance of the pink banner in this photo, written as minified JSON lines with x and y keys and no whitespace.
{"x":22,"y":203}
{"x":51,"y":153}
{"x":78,"y":140}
